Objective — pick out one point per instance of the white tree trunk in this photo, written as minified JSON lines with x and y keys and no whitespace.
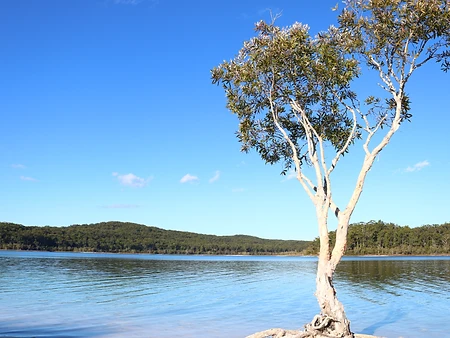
{"x":332,"y":320}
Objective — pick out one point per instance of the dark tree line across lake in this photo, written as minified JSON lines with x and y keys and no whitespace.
{"x":374,"y":237}
{"x":136,"y":238}
{"x":380,"y":238}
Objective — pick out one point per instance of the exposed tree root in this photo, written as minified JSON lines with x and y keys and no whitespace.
{"x":280,"y":333}
{"x":319,"y":322}
{"x":323,"y":326}
{"x":320,"y":327}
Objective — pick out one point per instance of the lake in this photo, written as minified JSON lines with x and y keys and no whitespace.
{"x":45,"y":294}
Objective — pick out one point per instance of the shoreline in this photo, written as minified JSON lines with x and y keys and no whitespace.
{"x":222,"y":255}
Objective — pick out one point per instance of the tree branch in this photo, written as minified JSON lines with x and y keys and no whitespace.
{"x":383,"y":76}
{"x":372,"y":132}
{"x":312,"y":153}
{"x":295,"y":157}
{"x":344,"y":148}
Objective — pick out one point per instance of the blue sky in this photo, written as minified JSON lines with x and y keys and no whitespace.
{"x":108,"y":113}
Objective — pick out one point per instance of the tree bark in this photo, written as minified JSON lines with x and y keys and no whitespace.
{"x":332,"y":321}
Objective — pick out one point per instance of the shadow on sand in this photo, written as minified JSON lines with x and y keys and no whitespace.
{"x":391,"y":317}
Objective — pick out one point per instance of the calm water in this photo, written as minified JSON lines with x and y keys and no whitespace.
{"x":106,"y":295}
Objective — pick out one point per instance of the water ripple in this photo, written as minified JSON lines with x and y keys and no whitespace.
{"x":64,"y":295}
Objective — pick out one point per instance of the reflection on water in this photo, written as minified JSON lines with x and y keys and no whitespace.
{"x":100,"y":295}
{"x":397,"y":297}
{"x":392,"y":275}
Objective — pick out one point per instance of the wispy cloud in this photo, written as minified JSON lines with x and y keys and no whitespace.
{"x":28,"y":178}
{"x":188,"y":178}
{"x":215,"y":177}
{"x":18,"y":166}
{"x":418,"y":166}
{"x":237,"y":190}
{"x":120,"y":206}
{"x":128,"y":2}
{"x":290,"y":175}
{"x":241,"y":164}
{"x":131,"y":180}
{"x":136,"y":2}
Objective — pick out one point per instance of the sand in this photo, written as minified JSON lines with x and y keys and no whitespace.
{"x":280,"y":333}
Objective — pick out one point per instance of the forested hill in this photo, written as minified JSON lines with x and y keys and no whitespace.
{"x":380,"y":238}
{"x":371,"y":238}
{"x":136,"y":238}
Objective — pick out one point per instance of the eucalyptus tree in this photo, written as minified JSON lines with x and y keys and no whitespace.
{"x":298,"y":104}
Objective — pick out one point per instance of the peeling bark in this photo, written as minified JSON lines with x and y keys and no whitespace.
{"x":332,"y":320}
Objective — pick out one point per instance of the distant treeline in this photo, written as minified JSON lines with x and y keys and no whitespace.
{"x":137,"y":238}
{"x":371,"y":238}
{"x":380,"y":238}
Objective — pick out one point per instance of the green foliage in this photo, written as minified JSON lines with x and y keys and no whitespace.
{"x":380,"y":238}
{"x":396,"y":37}
{"x":383,"y":27}
{"x":375,"y":237}
{"x":136,"y":238}
{"x":281,"y":66}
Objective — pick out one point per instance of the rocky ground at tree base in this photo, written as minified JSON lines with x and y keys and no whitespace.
{"x":281,"y":333}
